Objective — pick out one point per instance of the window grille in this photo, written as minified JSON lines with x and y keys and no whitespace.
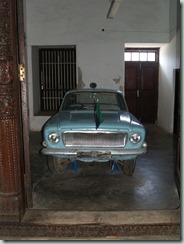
{"x":57,"y":75}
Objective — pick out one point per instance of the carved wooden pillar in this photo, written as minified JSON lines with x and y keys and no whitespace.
{"x":11,"y":153}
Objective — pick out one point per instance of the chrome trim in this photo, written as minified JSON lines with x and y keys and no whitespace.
{"x":75,"y":152}
{"x":92,"y":131}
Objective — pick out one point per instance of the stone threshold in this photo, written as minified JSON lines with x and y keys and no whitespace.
{"x":94,"y":225}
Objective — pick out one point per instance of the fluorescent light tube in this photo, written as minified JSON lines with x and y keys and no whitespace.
{"x":113,"y":8}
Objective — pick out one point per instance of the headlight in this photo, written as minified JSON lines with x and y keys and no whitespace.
{"x":54,"y":138}
{"x":135,"y":138}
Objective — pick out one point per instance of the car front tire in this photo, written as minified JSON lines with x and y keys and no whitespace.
{"x":129,"y":167}
{"x":56,"y":165}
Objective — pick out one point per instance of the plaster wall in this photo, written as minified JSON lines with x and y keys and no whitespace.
{"x":166,"y":86}
{"x":99,"y":41}
{"x":169,"y":61}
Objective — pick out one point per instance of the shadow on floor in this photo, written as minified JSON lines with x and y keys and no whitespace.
{"x":94,"y":188}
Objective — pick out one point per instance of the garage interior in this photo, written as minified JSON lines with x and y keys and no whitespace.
{"x":154,"y":82}
{"x":35,"y":203}
{"x":94,"y":187}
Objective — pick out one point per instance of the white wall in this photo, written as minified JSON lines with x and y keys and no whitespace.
{"x":169,"y":61}
{"x":80,"y":23}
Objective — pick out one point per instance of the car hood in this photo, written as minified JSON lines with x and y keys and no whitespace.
{"x":86,"y":120}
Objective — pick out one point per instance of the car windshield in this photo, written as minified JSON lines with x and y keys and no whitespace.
{"x":86,"y":100}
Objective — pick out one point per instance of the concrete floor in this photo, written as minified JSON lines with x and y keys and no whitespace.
{"x":94,"y":188}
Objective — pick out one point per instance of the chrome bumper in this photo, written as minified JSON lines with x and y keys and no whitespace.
{"x":93,"y":153}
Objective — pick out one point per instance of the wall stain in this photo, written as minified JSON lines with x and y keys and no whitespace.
{"x":121,"y":88}
{"x":117,"y":80}
{"x":80,"y":81}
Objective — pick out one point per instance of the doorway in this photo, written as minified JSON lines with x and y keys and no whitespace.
{"x":141,"y":83}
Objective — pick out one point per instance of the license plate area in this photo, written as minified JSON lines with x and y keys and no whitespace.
{"x":93,"y":154}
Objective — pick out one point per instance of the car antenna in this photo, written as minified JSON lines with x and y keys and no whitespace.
{"x":93,"y":85}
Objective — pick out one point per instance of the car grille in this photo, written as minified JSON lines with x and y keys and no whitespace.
{"x":77,"y":139}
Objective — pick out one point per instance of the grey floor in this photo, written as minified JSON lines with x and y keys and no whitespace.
{"x":94,"y":188}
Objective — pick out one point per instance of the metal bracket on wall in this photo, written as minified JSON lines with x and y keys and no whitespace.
{"x":22,"y":73}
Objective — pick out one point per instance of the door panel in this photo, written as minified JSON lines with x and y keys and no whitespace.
{"x":149,"y":87}
{"x":147,"y":82}
{"x":141,"y":90}
{"x":131,"y":87}
{"x":132,"y":74}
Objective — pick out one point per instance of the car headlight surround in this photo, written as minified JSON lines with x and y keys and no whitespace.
{"x":54,"y":138}
{"x":135,"y":138}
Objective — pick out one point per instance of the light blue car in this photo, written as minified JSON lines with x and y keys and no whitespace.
{"x":93,"y":125}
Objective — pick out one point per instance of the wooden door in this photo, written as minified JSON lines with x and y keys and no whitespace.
{"x":12,"y":190}
{"x":141,"y":90}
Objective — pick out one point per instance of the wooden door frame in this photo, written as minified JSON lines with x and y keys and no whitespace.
{"x":16,"y":221}
{"x":24,"y":105}
{"x":139,"y":64}
{"x":12,"y":194}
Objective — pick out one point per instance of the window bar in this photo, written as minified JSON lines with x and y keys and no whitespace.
{"x":70,"y":68}
{"x":49,"y":79}
{"x":43,"y":80}
{"x":67,"y":71}
{"x":65,"y":79}
{"x":45,"y":77}
{"x":59,"y":79}
{"x":50,"y":95}
{"x":71,"y":60}
{"x":73,"y":67}
{"x":69,"y":82}
{"x":72,"y":77}
{"x":52,"y":98}
{"x":64,"y":67}
{"x":55,"y":80}
{"x":67,"y":74}
{"x":52,"y":79}
{"x":46,"y":65}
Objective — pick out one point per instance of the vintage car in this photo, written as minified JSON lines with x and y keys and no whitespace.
{"x":93,"y":125}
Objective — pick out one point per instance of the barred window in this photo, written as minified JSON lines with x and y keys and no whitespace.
{"x":57,"y":76}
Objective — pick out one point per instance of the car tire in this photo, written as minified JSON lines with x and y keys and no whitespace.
{"x":129,"y":167}
{"x":56,"y":165}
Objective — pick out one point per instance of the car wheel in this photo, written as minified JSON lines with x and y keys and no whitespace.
{"x":57,"y":165}
{"x":129,"y":167}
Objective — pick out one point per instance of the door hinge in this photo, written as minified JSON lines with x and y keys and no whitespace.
{"x":22,"y":73}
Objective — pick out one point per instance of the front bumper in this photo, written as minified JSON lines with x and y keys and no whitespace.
{"x":94,"y":154}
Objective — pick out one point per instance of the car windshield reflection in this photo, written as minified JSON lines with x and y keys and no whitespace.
{"x":87,"y":100}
